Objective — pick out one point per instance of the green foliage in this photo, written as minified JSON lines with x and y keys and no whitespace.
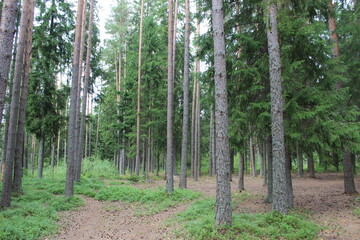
{"x":98,"y":169}
{"x":33,"y":214}
{"x":153,"y":201}
{"x":198,"y":223}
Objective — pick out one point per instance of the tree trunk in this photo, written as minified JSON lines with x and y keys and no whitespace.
{"x":349,"y":183}
{"x":311,"y":167}
{"x":281,"y":197}
{"x":185,"y":126}
{"x":7,"y":30}
{"x":252,"y":158}
{"x":300,"y":166}
{"x":86,"y":89}
{"x":18,"y":167}
{"x":41,"y":156}
{"x":58,"y":148}
{"x":137,"y":164}
{"x":269,"y":150}
{"x":223,"y":190}
{"x":170,"y":103}
{"x":192,"y":137}
{"x":241,"y":185}
{"x":14,"y":106}
{"x":70,"y":173}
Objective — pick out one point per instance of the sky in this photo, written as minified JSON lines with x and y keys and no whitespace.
{"x":104,"y":10}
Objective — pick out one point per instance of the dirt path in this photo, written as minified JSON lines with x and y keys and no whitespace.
{"x":322,"y":198}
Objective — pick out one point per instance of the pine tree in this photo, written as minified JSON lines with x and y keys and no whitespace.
{"x":223,"y":191}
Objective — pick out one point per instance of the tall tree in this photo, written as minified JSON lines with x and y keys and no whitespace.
{"x":223,"y":190}
{"x":170,"y":102}
{"x":185,"y":127}
{"x":14,"y":107}
{"x":137,"y":161}
{"x":86,"y":89}
{"x":7,"y":30}
{"x":281,"y":198}
{"x":70,"y":172}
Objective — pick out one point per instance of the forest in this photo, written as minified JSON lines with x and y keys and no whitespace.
{"x":179,"y":119}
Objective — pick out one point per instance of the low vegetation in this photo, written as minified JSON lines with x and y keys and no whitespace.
{"x":198,"y":223}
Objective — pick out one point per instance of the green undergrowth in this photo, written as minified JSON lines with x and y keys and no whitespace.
{"x":33,"y":214}
{"x":198,"y":223}
{"x":150,"y":201}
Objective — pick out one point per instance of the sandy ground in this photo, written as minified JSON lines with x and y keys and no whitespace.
{"x":321,"y":198}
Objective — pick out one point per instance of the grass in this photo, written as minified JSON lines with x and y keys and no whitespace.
{"x":150,"y":200}
{"x":198,"y":223}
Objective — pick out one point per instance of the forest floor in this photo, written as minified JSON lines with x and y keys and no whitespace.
{"x":322,"y":199}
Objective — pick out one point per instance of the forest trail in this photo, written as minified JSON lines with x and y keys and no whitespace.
{"x":321,"y":198}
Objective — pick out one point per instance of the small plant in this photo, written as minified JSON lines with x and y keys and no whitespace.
{"x":152,"y":201}
{"x":198,"y":223}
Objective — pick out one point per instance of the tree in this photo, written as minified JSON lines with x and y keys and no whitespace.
{"x":185,"y":127}
{"x":86,"y":89}
{"x":223,"y":191}
{"x":137,"y":163}
{"x":170,"y":102}
{"x":281,"y":199}
{"x":70,"y":172}
{"x":14,"y":108}
{"x":7,"y":30}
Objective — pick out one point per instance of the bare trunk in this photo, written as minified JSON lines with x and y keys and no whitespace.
{"x":280,"y":182}
{"x":241,"y":185}
{"x":137,"y":163}
{"x":41,"y":156}
{"x":14,"y":106}
{"x":252,"y":158}
{"x":269,"y":150}
{"x":300,"y":167}
{"x":18,"y":167}
{"x":311,"y":167}
{"x":72,"y":141}
{"x":170,"y":102}
{"x":85,"y":94}
{"x":223,"y":190}
{"x":7,"y":30}
{"x":349,"y":183}
{"x":58,"y":148}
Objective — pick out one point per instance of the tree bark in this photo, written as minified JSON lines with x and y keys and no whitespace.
{"x":85,"y":94}
{"x":137,"y":162}
{"x":349,"y":183}
{"x":18,"y":167}
{"x":300,"y":166}
{"x":311,"y":167}
{"x":70,"y":173}
{"x":223,"y":191}
{"x":185,"y":126}
{"x":241,"y":185}
{"x":269,"y":150}
{"x":14,"y":106}
{"x":7,"y":30}
{"x":281,"y":197}
{"x":170,"y":102}
{"x":41,"y":156}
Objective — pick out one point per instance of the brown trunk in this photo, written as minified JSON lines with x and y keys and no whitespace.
{"x":300,"y":167}
{"x":281,"y":195}
{"x":72,"y":141}
{"x":7,"y":30}
{"x":137,"y":163}
{"x":223,"y":190}
{"x":185,"y":126}
{"x":241,"y":185}
{"x":311,"y":165}
{"x":18,"y":167}
{"x":349,"y":184}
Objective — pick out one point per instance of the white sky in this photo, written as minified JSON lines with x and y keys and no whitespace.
{"x":104,"y":10}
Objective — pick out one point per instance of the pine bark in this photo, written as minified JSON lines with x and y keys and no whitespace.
{"x":185,"y":126}
{"x":41,"y":156}
{"x":71,"y":152}
{"x":269,"y":151}
{"x":300,"y":166}
{"x":14,"y":106}
{"x":137,"y":162}
{"x":170,"y":102}
{"x":280,"y":182}
{"x":7,"y":31}
{"x":18,"y":167}
{"x":85,"y":93}
{"x":241,"y":185}
{"x":223,"y":191}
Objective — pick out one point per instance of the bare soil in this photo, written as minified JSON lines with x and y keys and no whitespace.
{"x":321,"y":198}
